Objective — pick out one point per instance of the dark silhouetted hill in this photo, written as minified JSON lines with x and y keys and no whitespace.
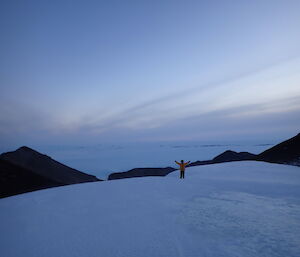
{"x":229,"y":156}
{"x":16,"y":180}
{"x":26,"y":170}
{"x":287,"y":152}
{"x":46,"y":167}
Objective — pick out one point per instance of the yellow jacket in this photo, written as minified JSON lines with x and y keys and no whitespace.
{"x":182,"y":165}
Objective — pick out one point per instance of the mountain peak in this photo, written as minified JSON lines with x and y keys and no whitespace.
{"x":233,"y":156}
{"x":287,"y":151}
{"x":26,"y":148}
{"x":45,"y":166}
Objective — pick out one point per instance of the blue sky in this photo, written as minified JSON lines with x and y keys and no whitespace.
{"x":93,"y":71}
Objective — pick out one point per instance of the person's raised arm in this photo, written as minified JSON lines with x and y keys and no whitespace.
{"x":177,"y":162}
{"x":187,"y":163}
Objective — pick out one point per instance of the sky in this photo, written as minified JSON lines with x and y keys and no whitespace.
{"x":84,"y":72}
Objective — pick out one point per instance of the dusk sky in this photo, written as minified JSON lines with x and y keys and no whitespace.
{"x":107,"y":71}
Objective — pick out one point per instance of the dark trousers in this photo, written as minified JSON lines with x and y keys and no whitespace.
{"x":182,"y":174}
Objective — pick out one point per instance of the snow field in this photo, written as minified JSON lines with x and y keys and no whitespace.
{"x":232,"y":209}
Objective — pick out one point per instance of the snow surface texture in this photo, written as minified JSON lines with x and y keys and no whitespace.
{"x":236,"y":209}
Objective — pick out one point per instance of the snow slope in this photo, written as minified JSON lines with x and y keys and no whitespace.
{"x":236,"y":209}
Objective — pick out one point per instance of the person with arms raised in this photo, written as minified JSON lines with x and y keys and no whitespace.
{"x":182,"y":165}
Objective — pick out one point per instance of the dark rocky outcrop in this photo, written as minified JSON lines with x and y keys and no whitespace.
{"x":46,"y":167}
{"x":287,"y":152}
{"x":16,"y":180}
{"x":26,"y":170}
{"x":141,"y":172}
{"x":227,"y":156}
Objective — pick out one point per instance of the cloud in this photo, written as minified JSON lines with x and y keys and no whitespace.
{"x":206,"y":107}
{"x":251,"y":119}
{"x":236,"y":92}
{"x":212,"y":85}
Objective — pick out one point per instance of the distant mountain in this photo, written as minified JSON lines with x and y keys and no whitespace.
{"x":141,"y":172}
{"x":26,"y":170}
{"x":17,"y":180}
{"x":227,"y":156}
{"x":46,"y":167}
{"x":287,"y":152}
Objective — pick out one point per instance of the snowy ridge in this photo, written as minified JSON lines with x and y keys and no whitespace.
{"x":245,"y":208}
